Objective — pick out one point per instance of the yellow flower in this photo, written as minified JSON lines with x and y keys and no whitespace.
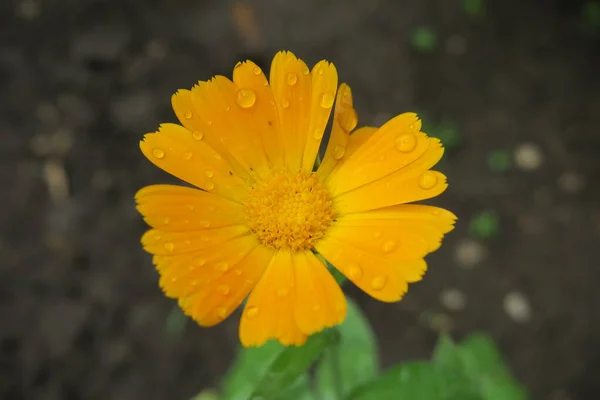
{"x":262,"y":214}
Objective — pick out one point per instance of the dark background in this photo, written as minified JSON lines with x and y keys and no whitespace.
{"x":81,"y":314}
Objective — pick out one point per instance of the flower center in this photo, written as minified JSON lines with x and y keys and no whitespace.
{"x":289,"y":211}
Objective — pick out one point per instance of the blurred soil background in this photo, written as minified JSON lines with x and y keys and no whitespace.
{"x":511,"y":87}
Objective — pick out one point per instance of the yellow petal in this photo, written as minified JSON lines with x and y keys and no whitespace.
{"x":291,"y":84}
{"x":357,"y":138}
{"x":392,"y":147}
{"x":167,"y":243}
{"x":263,"y":120}
{"x":184,"y":274}
{"x":269,"y":312}
{"x":383,"y":279}
{"x":324,"y":84}
{"x":181,"y":209}
{"x":344,"y":121}
{"x":228,"y":112}
{"x":175,"y":150}
{"x":213,"y":303}
{"x":320,"y":303}
{"x":411,"y":183}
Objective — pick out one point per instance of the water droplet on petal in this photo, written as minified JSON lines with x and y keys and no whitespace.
{"x":188,"y":114}
{"x":321,"y":71}
{"x":169,"y":246}
{"x":222,"y":266}
{"x":285,"y":103}
{"x":221,"y":312}
{"x":305,"y":70}
{"x":158,"y":153}
{"x":209,"y":173}
{"x":318,"y":133}
{"x":378,"y":282}
{"x":256,"y":71}
{"x":187,"y":155}
{"x":338,"y":152}
{"x":292,"y":79}
{"x":197,"y":135}
{"x":223,"y":289}
{"x":428,"y":180}
{"x":205,"y":224}
{"x":327,"y":100}
{"x":246,"y":98}
{"x":209,"y":122}
{"x":199,"y":261}
{"x":389,"y":246}
{"x":354,"y":271}
{"x":348,"y":119}
{"x":209,"y":186}
{"x":166,"y":221}
{"x":237,"y":272}
{"x":251,"y":312}
{"x":406,"y":143}
{"x":194,"y":283}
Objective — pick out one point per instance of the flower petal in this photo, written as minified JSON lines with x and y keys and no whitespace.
{"x":411,"y":183}
{"x":381,"y":278}
{"x":344,"y":120}
{"x":291,"y":83}
{"x":263,"y":120}
{"x":175,"y":150}
{"x":182,"y":209}
{"x":320,"y":302}
{"x":183,"y":274}
{"x":228,"y":115}
{"x":215,"y":302}
{"x":392,"y":147}
{"x":168,"y":243}
{"x":269,"y":312}
{"x":358,"y":138}
{"x":324,"y":84}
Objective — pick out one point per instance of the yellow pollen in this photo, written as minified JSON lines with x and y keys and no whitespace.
{"x":289,"y":211}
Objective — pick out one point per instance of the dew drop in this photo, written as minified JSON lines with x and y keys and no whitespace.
{"x":223,"y":289}
{"x":338,"y":152}
{"x":292,"y":79}
{"x":327,"y":100}
{"x":194,"y":283}
{"x":378,"y":282}
{"x":354,"y":271}
{"x":237,"y":272}
{"x":188,"y":115}
{"x":209,"y":122}
{"x":197,"y":135}
{"x":209,"y":186}
{"x":305,"y":70}
{"x":252,"y":312}
{"x":199,"y":261}
{"x":256,"y":71}
{"x":389,"y":246}
{"x":406,"y":143}
{"x":169,"y":246}
{"x":285,"y":103}
{"x":222,"y":266}
{"x":347,"y":119}
{"x":221,"y":312}
{"x":209,"y":173}
{"x":187,"y":155}
{"x":158,"y":153}
{"x":318,"y":133}
{"x":166,"y":221}
{"x":321,"y":71}
{"x":205,"y":224}
{"x":428,"y":180}
{"x":246,"y":98}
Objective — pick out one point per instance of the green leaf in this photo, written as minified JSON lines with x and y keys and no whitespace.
{"x":356,"y":353}
{"x":291,"y":364}
{"x":249,"y":368}
{"x":485,"y":225}
{"x":175,"y":324}
{"x":424,"y":39}
{"x":446,"y":354}
{"x":417,"y":380}
{"x":499,"y":160}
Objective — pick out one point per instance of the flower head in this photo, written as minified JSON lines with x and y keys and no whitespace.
{"x":259,"y":212}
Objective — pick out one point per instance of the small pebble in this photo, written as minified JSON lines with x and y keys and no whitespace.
{"x":571,"y":182}
{"x":469,"y":253}
{"x":517,"y":307}
{"x":453,"y":299}
{"x":528,"y":156}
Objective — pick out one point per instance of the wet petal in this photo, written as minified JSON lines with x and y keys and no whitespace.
{"x":324,"y":84}
{"x":213,"y":303}
{"x":269,"y":311}
{"x":358,"y":138}
{"x":344,"y":121}
{"x":320,"y":303}
{"x":181,"y":209}
{"x":291,"y":84}
{"x":177,"y":151}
